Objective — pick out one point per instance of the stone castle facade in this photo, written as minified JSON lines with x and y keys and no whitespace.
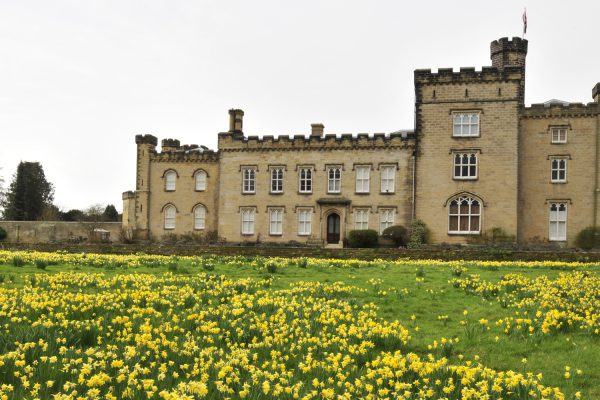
{"x":477,"y":160}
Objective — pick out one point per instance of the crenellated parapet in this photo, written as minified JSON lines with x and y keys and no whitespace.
{"x":563,"y":110}
{"x":468,"y":75}
{"x":146,"y":139}
{"x":329,"y":142}
{"x":208,"y":156}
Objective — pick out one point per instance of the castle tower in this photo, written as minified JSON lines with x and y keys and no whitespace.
{"x":467,"y":127}
{"x":146,"y":144}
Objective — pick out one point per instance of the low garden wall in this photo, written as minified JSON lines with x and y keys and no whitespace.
{"x":59,"y":231}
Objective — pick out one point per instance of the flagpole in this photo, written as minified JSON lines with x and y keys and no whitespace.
{"x":524,"y":22}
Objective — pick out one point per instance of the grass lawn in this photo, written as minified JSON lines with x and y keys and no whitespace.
{"x":424,"y":299}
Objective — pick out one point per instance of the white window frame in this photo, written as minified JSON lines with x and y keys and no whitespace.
{"x":304,"y":221}
{"x":306,"y":181}
{"x":470,"y":215}
{"x":247,"y":218}
{"x":200,"y":181}
{"x":199,"y":217}
{"x":557,"y":221}
{"x":276,"y":221}
{"x":363,"y":178}
{"x":361,"y":218}
{"x":467,"y":168}
{"x":556,"y":170}
{"x":170,"y":215}
{"x":466,"y":124}
{"x":249,"y":180}
{"x":388,"y":178}
{"x":276,"y":180}
{"x":386,"y":218}
{"x":334,"y":179}
{"x":170,"y":181}
{"x":556,"y":132}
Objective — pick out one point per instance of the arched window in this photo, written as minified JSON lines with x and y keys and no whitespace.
{"x":199,"y":217}
{"x":169,"y":212}
{"x":200,"y":181}
{"x":170,"y":180}
{"x":464,"y":215}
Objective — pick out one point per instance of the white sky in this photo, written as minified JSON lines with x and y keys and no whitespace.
{"x":79,"y":79}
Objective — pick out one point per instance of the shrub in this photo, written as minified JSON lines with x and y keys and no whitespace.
{"x":493,"y":236}
{"x":18,"y":261}
{"x":3,"y":234}
{"x":362,"y":238}
{"x":272,"y":267}
{"x":588,"y":238}
{"x":41,"y":264}
{"x":419,"y":234}
{"x":397,"y":234}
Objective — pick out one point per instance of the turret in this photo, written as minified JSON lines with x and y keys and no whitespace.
{"x":146,"y":144}
{"x":508,"y":53}
{"x":596,"y":93}
{"x":316,"y":130}
{"x":168,"y":145}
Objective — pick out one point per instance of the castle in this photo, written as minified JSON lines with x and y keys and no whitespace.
{"x":477,"y":160}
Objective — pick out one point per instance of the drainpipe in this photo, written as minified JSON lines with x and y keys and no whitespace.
{"x":596,"y":172}
{"x":414,"y":164}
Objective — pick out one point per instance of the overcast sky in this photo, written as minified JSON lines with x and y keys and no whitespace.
{"x":79,"y":79}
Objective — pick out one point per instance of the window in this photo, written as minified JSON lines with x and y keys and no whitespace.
{"x":464,"y":216}
{"x":361,"y":219}
{"x":305,"y":179}
{"x":558,"y":171}
{"x":248,"y":180}
{"x":386,"y":218}
{"x":388,"y":175}
{"x":362,"y":179}
{"x":276,"y":221}
{"x":465,"y":124}
{"x":200,"y":181}
{"x":559,"y":134}
{"x":465,"y":166}
{"x":334,"y":180}
{"x":170,"y":180}
{"x":558,"y":221}
{"x":169,"y":212}
{"x":304,"y":221}
{"x":277,"y":180}
{"x":199,"y":217}
{"x":248,"y":221}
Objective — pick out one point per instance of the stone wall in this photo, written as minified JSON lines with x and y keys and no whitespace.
{"x":56,"y":231}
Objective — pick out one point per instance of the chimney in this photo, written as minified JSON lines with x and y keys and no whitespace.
{"x":596,"y":93}
{"x":236,"y":117}
{"x":316,"y":130}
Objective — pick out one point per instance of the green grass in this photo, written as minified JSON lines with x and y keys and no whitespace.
{"x":418,"y":304}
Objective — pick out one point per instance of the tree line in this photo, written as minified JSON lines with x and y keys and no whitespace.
{"x":30,"y":196}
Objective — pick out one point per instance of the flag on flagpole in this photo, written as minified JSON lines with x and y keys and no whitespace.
{"x":524,"y":22}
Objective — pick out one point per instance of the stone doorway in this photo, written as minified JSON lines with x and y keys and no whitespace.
{"x":333,"y":228}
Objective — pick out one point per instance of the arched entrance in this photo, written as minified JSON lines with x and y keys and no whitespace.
{"x":333,"y":228}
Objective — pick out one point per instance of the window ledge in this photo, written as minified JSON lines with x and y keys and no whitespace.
{"x":465,"y":179}
{"x":169,"y":190}
{"x":248,"y":193}
{"x":558,"y":182}
{"x":305,"y":193}
{"x":464,"y":233}
{"x":276,"y":193}
{"x":200,"y":190}
{"x":199,"y":229}
{"x":275,"y":234}
{"x":247,"y":234}
{"x":362,"y":193}
{"x":387,"y":193}
{"x":466,"y":136}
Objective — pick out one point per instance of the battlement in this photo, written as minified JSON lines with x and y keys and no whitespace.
{"x":146,"y":139}
{"x":170,"y":144}
{"x":505,"y":44}
{"x":554,"y":110}
{"x":186,"y":154}
{"x":467,"y":75}
{"x":345,"y":141}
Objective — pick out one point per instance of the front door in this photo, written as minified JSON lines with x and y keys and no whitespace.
{"x":333,"y":228}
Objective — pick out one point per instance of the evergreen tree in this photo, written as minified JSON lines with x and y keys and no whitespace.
{"x":28,"y":194}
{"x":111,"y":214}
